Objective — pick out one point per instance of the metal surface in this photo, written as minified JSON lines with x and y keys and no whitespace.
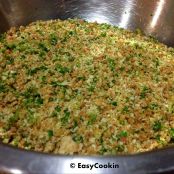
{"x":20,"y":161}
{"x":154,"y":17}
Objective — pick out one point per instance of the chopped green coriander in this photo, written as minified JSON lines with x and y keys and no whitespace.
{"x":125,"y":109}
{"x":50,"y":133}
{"x":171,"y":109}
{"x":75,"y":124}
{"x":72,"y":33}
{"x":103,"y":150}
{"x":144,"y":91}
{"x":32,"y":97}
{"x":103,"y":34}
{"x":111,"y":64}
{"x":92,"y":119}
{"x":77,"y":138}
{"x":114,"y":103}
{"x":154,"y":106}
{"x":120,"y":148}
{"x":122,"y":68}
{"x":66,"y":117}
{"x":157,"y":126}
{"x":10,"y":60}
{"x":122,"y":134}
{"x":172,"y":134}
{"x":32,"y":71}
{"x":2,"y":88}
{"x":11,"y":46}
{"x":158,"y":138}
{"x":81,"y":78}
{"x":91,"y":88}
{"x":57,"y":108}
{"x":43,"y":47}
{"x":53,"y":39}
{"x":56,"y":111}
{"x":55,"y":84}
{"x":2,"y":37}
{"x":13,"y":119}
{"x":61,"y":69}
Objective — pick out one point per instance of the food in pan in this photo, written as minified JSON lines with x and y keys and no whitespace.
{"x":74,"y":87}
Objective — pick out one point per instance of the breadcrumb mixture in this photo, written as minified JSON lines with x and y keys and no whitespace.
{"x":74,"y":87}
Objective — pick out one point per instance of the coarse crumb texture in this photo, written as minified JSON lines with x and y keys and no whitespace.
{"x":73,"y":87}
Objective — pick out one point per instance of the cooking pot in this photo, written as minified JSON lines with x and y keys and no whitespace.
{"x":153,"y":17}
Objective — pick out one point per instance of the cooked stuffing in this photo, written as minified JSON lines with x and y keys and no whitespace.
{"x":74,"y":87}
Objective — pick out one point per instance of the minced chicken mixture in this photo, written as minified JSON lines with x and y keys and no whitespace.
{"x":73,"y":87}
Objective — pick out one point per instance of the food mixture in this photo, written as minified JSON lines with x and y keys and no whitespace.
{"x":74,"y":87}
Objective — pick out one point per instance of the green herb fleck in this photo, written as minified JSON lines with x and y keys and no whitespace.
{"x":157,"y":126}
{"x":62,"y":84}
{"x":157,"y":62}
{"x":72,"y":33}
{"x":81,"y":78}
{"x":10,"y":46}
{"x":32,"y":97}
{"x":78,"y":138}
{"x":125,"y":109}
{"x":145,"y":90}
{"x":2,"y":37}
{"x":154,"y":106}
{"x":33,"y":71}
{"x":91,"y":88}
{"x":50,"y":133}
{"x":31,"y":118}
{"x":111,"y":64}
{"x":103,"y":150}
{"x":10,"y":60}
{"x":75,"y":124}
{"x":53,"y":39}
{"x":120,"y":148}
{"x":43,"y":47}
{"x":61,"y":69}
{"x":57,"y":108}
{"x":56,"y":111}
{"x":13,"y":119}
{"x":171,"y":109}
{"x":2,"y":88}
{"x":103,"y":34}
{"x":172,"y":134}
{"x":114,"y":103}
{"x":122,"y":68}
{"x":158,"y":138}
{"x":66,"y":117}
{"x":122,"y":134}
{"x":105,"y":26}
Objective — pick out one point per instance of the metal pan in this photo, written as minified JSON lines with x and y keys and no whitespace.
{"x":154,"y":17}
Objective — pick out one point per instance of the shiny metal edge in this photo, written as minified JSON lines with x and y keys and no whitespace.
{"x":14,"y":160}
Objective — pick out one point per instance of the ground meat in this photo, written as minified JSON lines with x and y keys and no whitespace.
{"x":74,"y":87}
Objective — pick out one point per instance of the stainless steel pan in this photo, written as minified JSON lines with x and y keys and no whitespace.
{"x":154,"y":17}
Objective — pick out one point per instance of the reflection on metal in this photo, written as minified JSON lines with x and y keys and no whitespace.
{"x":15,"y":171}
{"x":157,"y":13}
{"x":130,"y":14}
{"x":12,"y":11}
{"x":126,"y":14}
{"x":26,"y":162}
